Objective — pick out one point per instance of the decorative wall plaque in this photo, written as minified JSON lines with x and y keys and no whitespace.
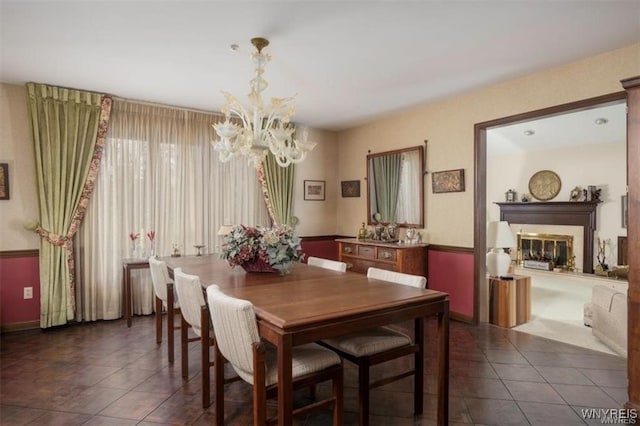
{"x":544,"y":185}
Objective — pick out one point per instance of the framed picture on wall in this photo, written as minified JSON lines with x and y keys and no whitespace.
{"x":4,"y":181}
{"x":314,"y":190}
{"x":350,"y":188}
{"x":447,"y":181}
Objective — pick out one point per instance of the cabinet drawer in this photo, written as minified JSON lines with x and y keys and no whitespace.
{"x":367,"y":251}
{"x":351,"y":249}
{"x":362,"y":265}
{"x":387,"y":254}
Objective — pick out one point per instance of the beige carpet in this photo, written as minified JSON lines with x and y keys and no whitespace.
{"x":557,"y":302}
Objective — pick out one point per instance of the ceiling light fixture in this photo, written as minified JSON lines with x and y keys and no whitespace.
{"x":264,"y":128}
{"x":529,"y":132}
{"x":600,"y":121}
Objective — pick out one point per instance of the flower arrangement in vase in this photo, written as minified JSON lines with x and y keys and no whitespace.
{"x":258,"y":249}
{"x":133,"y":237}
{"x":152,"y":243}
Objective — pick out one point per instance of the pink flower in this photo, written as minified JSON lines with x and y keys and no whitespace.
{"x":133,"y":236}
{"x":151,"y":235}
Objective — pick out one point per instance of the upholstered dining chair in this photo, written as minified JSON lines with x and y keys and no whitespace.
{"x":195,"y":315}
{"x":377,"y":345}
{"x":162,"y":284}
{"x":333,"y":265}
{"x":238,"y":341}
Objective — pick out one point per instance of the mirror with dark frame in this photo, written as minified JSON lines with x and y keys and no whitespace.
{"x":395,"y":187}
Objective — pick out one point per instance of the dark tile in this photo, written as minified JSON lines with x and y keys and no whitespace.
{"x":517,"y":372}
{"x":495,"y":412}
{"x":14,"y":416}
{"x":467,"y":368}
{"x":563,"y":375}
{"x":504,"y":356}
{"x":533,"y":392}
{"x":587,"y":396}
{"x":479,"y":388}
{"x":135,"y":405}
{"x":104,"y":373}
{"x":550,"y":414}
{"x":610,"y":378}
{"x":620,"y":395}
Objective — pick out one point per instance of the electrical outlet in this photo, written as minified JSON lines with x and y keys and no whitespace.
{"x":28,"y":292}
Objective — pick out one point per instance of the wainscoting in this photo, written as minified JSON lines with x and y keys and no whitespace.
{"x":19,"y":269}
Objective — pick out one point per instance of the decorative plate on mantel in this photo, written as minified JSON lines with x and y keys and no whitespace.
{"x":544,"y":185}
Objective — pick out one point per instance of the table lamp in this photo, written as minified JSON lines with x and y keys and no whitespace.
{"x":225,"y":230}
{"x":499,"y":237}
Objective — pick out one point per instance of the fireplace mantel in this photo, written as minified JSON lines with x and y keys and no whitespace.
{"x":577,"y":213}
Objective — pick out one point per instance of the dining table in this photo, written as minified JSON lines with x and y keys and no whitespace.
{"x":309,"y":304}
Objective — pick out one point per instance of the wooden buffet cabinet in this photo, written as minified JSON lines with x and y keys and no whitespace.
{"x":360,"y":255}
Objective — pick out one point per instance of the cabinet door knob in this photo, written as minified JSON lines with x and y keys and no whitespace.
{"x":347,"y":250}
{"x":386,"y":255}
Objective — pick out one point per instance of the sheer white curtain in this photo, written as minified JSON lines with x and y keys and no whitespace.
{"x":159,"y":172}
{"x":409,"y":197}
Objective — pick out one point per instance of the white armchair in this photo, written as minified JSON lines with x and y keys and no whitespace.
{"x":607,"y":316}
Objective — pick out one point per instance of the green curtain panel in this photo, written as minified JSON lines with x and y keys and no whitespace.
{"x":69,"y":129}
{"x":278,"y":189}
{"x":387,"y":170}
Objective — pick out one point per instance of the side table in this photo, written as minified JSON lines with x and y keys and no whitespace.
{"x":127,"y":266}
{"x":509,"y":300}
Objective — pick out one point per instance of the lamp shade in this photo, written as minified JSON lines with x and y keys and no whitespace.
{"x":225,"y":230}
{"x":499,"y":235}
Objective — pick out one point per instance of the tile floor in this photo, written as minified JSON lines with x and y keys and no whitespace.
{"x":104,"y":373}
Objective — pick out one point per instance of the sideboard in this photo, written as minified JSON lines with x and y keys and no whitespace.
{"x":359,"y":255}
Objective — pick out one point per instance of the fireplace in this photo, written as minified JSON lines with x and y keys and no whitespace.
{"x":574,"y":213}
{"x":545,"y":251}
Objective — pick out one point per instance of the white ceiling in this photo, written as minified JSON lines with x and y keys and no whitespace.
{"x":347,"y":61}
{"x":566,"y":130}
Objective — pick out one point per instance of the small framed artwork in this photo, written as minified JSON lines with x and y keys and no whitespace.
{"x":350,"y":188}
{"x":4,"y":181}
{"x":314,"y":190}
{"x":447,"y":181}
{"x":625,"y":207}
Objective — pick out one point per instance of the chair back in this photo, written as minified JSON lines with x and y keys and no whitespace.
{"x":397,"y":277}
{"x":191,"y":298}
{"x":234,"y":324}
{"x":334,"y":265}
{"x":159,"y":278}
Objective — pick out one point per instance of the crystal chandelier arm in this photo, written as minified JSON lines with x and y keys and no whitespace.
{"x":235,"y":107}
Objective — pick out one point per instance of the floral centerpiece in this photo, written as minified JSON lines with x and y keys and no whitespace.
{"x":261,"y":249}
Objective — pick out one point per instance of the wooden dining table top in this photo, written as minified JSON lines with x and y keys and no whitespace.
{"x":305,"y":295}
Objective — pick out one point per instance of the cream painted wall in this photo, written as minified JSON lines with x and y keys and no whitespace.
{"x":449,"y":127}
{"x":16,"y":149}
{"x":317,"y":217}
{"x":602,"y":165}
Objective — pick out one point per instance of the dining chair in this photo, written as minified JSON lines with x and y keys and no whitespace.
{"x":238,"y":341}
{"x":378,"y":345}
{"x":162,"y":285}
{"x":195,"y":315}
{"x":333,"y":265}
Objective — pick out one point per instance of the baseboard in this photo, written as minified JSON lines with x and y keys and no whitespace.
{"x":461,"y":317}
{"x":20,"y":326}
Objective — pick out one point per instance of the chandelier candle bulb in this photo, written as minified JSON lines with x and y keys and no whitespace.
{"x":263,"y":129}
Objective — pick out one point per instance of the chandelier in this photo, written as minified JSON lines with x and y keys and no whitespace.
{"x":264,"y":128}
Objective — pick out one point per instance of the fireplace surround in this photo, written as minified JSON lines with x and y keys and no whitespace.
{"x":576,"y":213}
